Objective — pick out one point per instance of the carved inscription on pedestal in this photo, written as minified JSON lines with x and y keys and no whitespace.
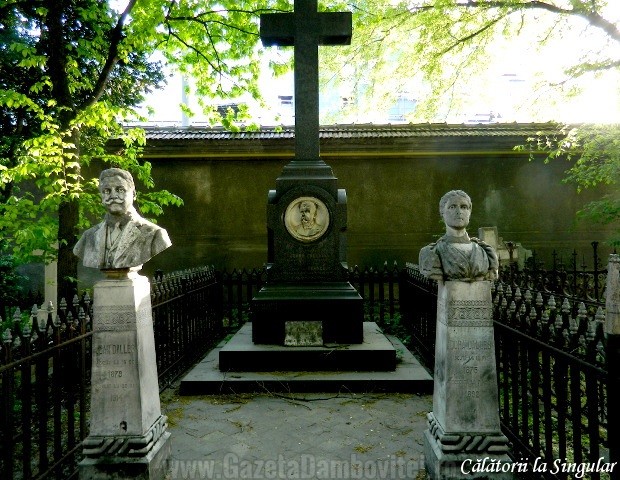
{"x":114,"y":366}
{"x":115,"y":376}
{"x":315,"y":263}
{"x":470,"y":348}
{"x":119,"y":318}
{"x":470,"y":359}
{"x":472,"y":313}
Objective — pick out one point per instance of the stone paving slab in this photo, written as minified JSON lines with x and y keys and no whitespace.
{"x":297,"y":436}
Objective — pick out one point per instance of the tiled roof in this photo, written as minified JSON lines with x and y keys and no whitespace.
{"x":354,"y":131}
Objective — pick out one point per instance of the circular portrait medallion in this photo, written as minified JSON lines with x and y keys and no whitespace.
{"x":306,"y":219}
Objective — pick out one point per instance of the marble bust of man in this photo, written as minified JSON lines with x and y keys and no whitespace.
{"x":124,"y":239}
{"x":456,"y":256}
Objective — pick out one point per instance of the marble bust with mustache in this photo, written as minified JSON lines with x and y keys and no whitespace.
{"x":124,"y":239}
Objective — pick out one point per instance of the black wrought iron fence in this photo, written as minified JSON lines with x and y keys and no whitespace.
{"x":44,"y":379}
{"x":187,"y":319}
{"x":418,"y":308}
{"x":378,"y":286}
{"x":45,"y":363}
{"x":552,"y":375}
{"x":238,"y":288}
{"x":568,"y":276}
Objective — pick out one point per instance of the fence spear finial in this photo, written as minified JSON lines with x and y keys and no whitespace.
{"x":7,"y":336}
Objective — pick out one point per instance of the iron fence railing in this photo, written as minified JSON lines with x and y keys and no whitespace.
{"x":378,"y":286}
{"x":551,"y":355}
{"x":552,"y":371}
{"x":187,"y":319}
{"x":44,"y":378}
{"x":552,"y":376}
{"x":45,"y":364}
{"x":574,"y":276}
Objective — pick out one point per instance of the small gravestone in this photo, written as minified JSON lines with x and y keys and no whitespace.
{"x":307,"y":212}
{"x":128,"y":437}
{"x":464,"y":425}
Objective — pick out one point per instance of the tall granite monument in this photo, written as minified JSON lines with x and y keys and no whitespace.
{"x":128,"y":437}
{"x":464,"y":424}
{"x":307,"y":299}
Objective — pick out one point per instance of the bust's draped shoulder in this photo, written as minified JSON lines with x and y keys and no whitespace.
{"x":490,"y":252}
{"x":430,"y":262}
{"x":443,"y":260}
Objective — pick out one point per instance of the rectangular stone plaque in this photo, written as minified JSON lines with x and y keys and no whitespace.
{"x":463,"y":304}
{"x":303,"y":334}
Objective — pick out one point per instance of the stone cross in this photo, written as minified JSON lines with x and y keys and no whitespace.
{"x":307,"y":288}
{"x":306,"y":29}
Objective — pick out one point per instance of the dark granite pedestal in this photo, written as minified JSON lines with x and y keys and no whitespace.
{"x":336,"y":308}
{"x":307,"y":274}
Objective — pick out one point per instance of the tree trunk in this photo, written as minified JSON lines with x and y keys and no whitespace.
{"x":68,"y":216}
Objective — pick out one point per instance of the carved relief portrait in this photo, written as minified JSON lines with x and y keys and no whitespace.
{"x":306,"y":219}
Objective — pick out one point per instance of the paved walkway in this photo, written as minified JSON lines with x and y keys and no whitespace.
{"x":296,"y":436}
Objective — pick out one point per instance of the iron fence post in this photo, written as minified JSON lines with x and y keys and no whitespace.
{"x":596,"y":271}
{"x":612,"y":355}
{"x":6,"y":402}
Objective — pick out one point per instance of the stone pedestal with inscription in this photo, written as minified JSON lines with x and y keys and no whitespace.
{"x":127,"y":437}
{"x":307,"y":269}
{"x":464,"y":424}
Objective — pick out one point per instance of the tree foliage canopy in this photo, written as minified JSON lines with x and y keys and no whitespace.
{"x":443,"y":52}
{"x":71,"y":71}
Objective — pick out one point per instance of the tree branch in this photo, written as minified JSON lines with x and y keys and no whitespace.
{"x":204,"y":23}
{"x":594,"y":67}
{"x":116,"y":37}
{"x":534,"y":4}
{"x":256,"y":12}
{"x":217,"y":67}
{"x":195,"y":50}
{"x":473,"y":34}
{"x":592,"y":17}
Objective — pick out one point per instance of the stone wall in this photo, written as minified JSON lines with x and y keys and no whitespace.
{"x":393,"y":188}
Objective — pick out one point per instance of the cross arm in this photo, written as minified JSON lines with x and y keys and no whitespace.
{"x":334,"y":28}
